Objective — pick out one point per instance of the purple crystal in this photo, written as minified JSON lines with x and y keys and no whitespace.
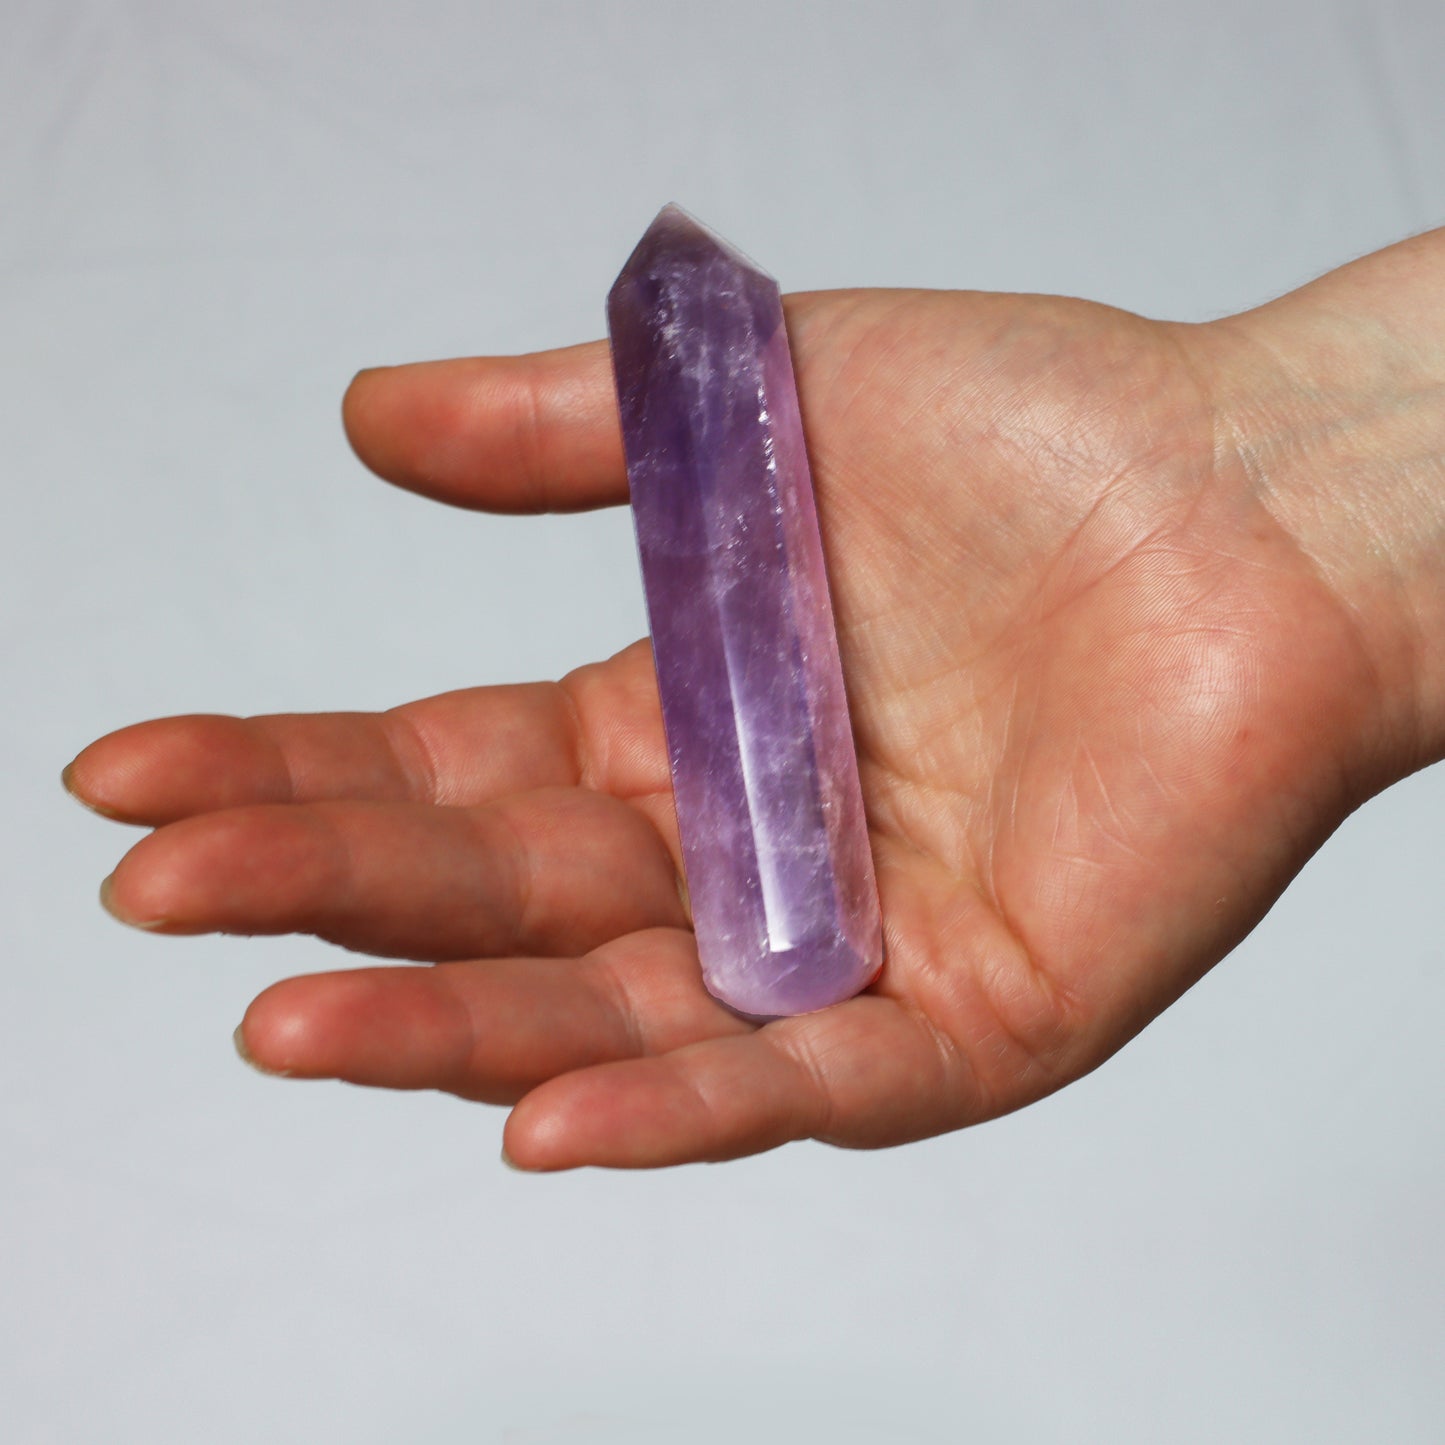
{"x":764,"y":773}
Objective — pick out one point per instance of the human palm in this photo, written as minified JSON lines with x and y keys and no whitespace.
{"x":1105,"y":707}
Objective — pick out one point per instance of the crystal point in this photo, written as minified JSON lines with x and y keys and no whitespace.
{"x":764,"y":772}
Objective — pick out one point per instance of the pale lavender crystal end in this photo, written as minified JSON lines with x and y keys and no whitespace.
{"x":764,"y":772}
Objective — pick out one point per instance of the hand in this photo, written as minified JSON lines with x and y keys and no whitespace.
{"x":1106,"y":701}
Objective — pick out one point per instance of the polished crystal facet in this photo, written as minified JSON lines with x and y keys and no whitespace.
{"x":764,"y":772}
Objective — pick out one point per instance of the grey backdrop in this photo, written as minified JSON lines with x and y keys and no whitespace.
{"x":210,"y":216}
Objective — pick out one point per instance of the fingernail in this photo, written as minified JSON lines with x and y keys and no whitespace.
{"x":512,"y":1163}
{"x":245,"y":1055}
{"x":107,"y":902}
{"x":67,"y":781}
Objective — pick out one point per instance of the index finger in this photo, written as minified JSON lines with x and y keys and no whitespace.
{"x":535,"y":433}
{"x":600,"y":728}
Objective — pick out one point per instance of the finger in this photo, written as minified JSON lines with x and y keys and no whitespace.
{"x":551,"y":872}
{"x":534,"y":433}
{"x":458,"y":748}
{"x":486,"y":1031}
{"x":865,"y":1073}
{"x":602,"y":725}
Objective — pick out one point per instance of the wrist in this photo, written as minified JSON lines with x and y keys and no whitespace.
{"x":1330,"y":407}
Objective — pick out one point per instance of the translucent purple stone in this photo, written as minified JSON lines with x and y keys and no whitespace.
{"x":774,"y":839}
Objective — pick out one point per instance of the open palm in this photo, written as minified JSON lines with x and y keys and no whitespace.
{"x":1105,"y":708}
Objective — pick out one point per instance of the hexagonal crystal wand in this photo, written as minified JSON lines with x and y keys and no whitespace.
{"x":764,"y":772}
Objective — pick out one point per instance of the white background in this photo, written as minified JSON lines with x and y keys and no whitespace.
{"x":210,"y":216}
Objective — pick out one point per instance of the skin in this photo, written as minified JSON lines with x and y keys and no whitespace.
{"x":1132,"y":613}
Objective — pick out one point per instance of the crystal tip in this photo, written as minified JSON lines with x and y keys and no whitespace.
{"x":676,"y":235}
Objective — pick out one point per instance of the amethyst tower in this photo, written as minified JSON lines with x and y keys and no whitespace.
{"x":764,"y":773}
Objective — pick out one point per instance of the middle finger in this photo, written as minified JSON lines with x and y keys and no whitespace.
{"x":556,"y":871}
